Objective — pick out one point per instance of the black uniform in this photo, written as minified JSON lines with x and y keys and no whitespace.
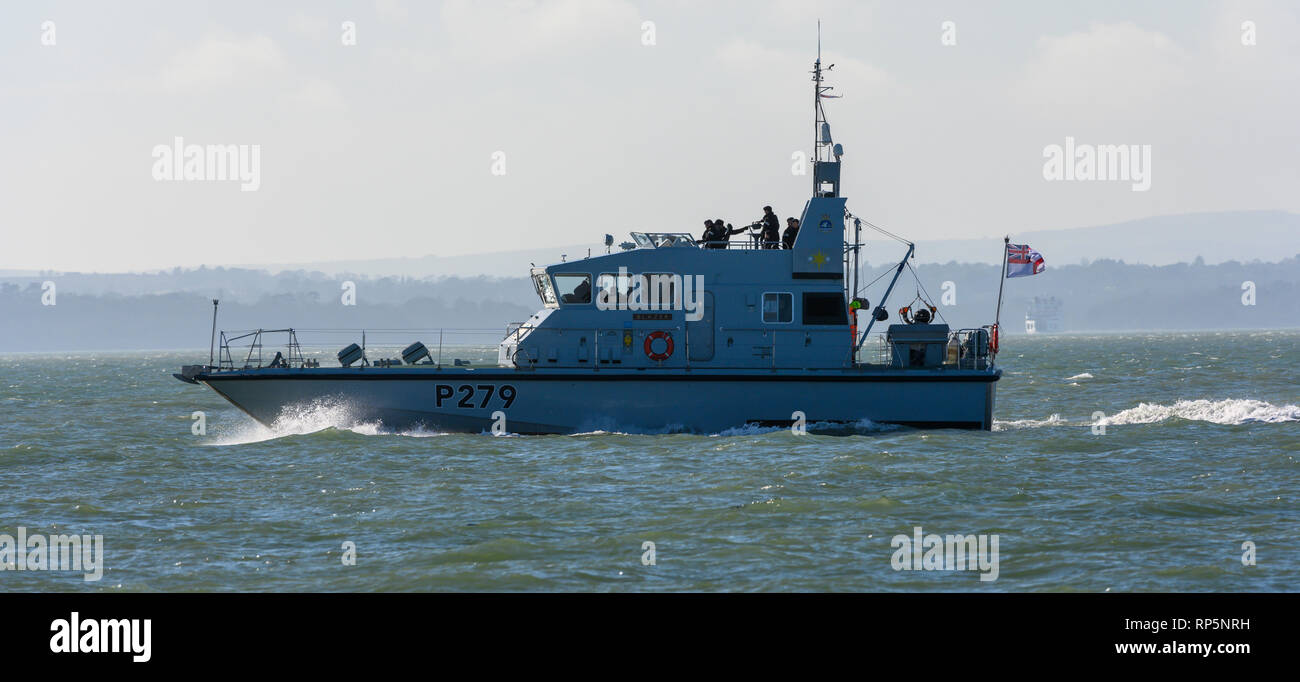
{"x":771,"y":232}
{"x":718,"y":234}
{"x":725,"y":232}
{"x":787,"y":239}
{"x":710,"y":235}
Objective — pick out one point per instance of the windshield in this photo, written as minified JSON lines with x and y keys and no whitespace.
{"x":544,"y":289}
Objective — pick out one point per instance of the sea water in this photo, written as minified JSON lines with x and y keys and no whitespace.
{"x":1127,"y":462}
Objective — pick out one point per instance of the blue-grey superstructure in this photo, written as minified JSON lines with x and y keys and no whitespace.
{"x":672,"y":333}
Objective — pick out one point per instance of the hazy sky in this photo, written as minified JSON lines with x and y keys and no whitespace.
{"x":385,"y":148}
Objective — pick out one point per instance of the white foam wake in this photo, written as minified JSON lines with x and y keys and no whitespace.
{"x":749,"y":430}
{"x":297,"y":420}
{"x":1009,"y":425}
{"x":302,"y":419}
{"x":858,"y":427}
{"x":1230,"y":412}
{"x":864,"y":425}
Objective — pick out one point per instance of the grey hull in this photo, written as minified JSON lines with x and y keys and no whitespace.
{"x":536,"y":402}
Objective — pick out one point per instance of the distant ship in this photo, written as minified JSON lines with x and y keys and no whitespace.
{"x":1044,"y":316}
{"x":772,"y":339}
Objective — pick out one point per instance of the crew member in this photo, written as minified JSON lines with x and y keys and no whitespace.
{"x":771,"y":237}
{"x":582,"y":292}
{"x":791,"y":231}
{"x":707,"y":238}
{"x":725,"y":230}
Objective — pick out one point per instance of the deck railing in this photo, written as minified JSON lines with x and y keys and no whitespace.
{"x":256,"y":348}
{"x":748,"y":243}
{"x":777,"y":348}
{"x":964,"y":349}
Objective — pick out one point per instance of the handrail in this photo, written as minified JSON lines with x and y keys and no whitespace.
{"x":957,"y":351}
{"x":293,"y":349}
{"x":256,"y":340}
{"x":962,"y":347}
{"x":661,"y":240}
{"x":742,"y":245}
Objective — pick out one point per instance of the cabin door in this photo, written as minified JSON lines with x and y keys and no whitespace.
{"x":699,"y":333}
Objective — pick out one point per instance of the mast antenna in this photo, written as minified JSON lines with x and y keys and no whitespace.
{"x":817,"y":102}
{"x":823,"y":147}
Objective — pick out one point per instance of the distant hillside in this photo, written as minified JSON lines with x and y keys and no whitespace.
{"x":1108,"y":295}
{"x":173,"y":309}
{"x":496,"y":264}
{"x":1213,"y":237}
{"x":1163,"y":240}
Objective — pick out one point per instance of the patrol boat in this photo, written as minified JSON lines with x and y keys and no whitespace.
{"x":669,"y":334}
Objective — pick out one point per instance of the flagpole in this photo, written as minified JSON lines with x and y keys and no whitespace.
{"x":997,"y":319}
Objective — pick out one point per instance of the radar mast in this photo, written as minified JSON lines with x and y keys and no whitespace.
{"x":826,"y":154}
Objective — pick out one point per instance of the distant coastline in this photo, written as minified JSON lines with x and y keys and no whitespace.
{"x":174,"y":309}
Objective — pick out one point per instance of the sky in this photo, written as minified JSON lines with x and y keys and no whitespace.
{"x":391,"y":128}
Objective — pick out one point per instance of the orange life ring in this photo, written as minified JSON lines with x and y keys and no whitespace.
{"x":993,"y":338}
{"x":651,"y":338}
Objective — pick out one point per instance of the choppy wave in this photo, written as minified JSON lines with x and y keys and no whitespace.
{"x":743,"y":430}
{"x":319,"y":416}
{"x":1012,"y":424}
{"x":302,"y":419}
{"x":297,"y":420}
{"x":867,"y":426}
{"x":1230,"y":412}
{"x":828,"y":428}
{"x":750,"y":430}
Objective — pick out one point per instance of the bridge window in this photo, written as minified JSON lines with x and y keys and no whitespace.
{"x":542,"y":282}
{"x":824,"y":308}
{"x":612,"y":284}
{"x":778,"y":307}
{"x":660,"y":289}
{"x":574,"y":289}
